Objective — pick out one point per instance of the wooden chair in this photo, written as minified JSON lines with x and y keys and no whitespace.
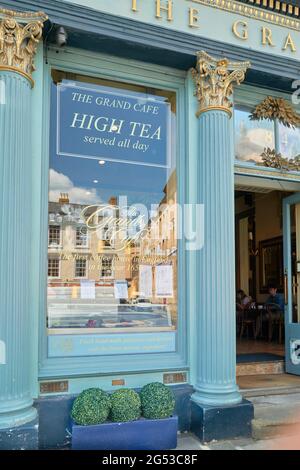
{"x":249,"y":320}
{"x":275,"y":319}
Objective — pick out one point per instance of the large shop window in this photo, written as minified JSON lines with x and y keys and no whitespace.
{"x":112,"y":244}
{"x":253,"y":137}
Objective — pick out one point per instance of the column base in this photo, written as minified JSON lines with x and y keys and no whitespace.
{"x":221,"y":422}
{"x":219,"y":396}
{"x":18,"y":417}
{"x":24,"y":437}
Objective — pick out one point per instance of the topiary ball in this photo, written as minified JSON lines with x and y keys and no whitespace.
{"x":92,"y":406}
{"x":157,"y":400}
{"x":125,"y":405}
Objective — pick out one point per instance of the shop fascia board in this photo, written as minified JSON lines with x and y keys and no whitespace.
{"x":147,"y":42}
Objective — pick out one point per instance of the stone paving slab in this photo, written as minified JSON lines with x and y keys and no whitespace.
{"x":190,"y":442}
{"x":275,"y":415}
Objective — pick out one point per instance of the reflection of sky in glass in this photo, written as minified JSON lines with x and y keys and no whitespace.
{"x":289,"y":141}
{"x":251,"y":137}
{"x":87,"y":182}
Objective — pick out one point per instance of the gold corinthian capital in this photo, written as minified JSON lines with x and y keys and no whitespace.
{"x":214,"y":79}
{"x":19,"y":37}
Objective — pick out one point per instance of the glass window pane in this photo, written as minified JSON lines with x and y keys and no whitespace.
{"x":251,"y":137}
{"x":81,"y":236}
{"x":112,"y":226}
{"x":53,"y":267}
{"x":80,"y":267}
{"x":54,"y":235}
{"x":289,"y":142}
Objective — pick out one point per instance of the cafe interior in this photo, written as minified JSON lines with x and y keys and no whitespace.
{"x":259,"y":271}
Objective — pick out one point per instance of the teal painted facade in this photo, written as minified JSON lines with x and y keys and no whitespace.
{"x":205,"y":343}
{"x":16,"y":176}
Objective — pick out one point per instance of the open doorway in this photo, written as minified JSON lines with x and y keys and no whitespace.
{"x":259,"y":275}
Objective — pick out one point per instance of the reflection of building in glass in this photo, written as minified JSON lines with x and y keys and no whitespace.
{"x":158,"y":246}
{"x":252,"y":137}
{"x":89,"y":248}
{"x":75,"y":252}
{"x":53,"y":267}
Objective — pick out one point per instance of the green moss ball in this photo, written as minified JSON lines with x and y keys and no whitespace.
{"x":92,"y":406}
{"x":157,"y":400}
{"x":125,"y":405}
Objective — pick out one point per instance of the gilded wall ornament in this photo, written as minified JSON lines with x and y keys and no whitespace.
{"x":276,"y":109}
{"x":273,"y":159}
{"x":281,"y":13}
{"x":214,"y":80}
{"x":20,"y":34}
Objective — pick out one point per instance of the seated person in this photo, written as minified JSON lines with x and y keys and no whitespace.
{"x":275,"y":302}
{"x":242,"y":299}
{"x":275,"y":298}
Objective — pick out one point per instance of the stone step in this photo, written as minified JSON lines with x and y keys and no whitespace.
{"x":276,"y":415}
{"x":267,"y":391}
{"x":259,"y":368}
{"x":268,"y":385}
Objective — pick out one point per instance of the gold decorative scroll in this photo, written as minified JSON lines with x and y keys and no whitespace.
{"x":20,"y":34}
{"x":273,"y":159}
{"x":214,"y":79}
{"x":279,"y":109}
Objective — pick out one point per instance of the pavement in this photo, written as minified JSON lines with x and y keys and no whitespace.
{"x":188,"y":441}
{"x":276,"y":425}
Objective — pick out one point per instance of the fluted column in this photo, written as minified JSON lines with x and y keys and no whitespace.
{"x":216,"y":339}
{"x":20,"y":34}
